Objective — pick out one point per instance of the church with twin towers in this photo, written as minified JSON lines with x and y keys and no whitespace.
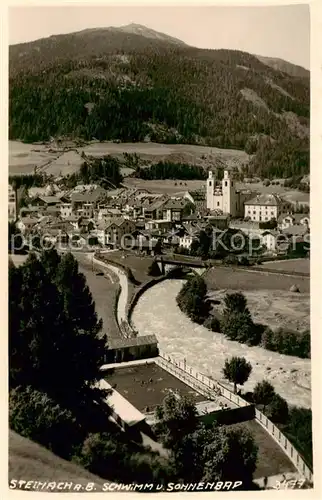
{"x":222,"y":196}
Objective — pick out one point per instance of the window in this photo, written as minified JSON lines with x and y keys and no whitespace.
{"x":225,"y":183}
{"x":272,"y":213}
{"x":218,"y":203}
{"x":232,"y":183}
{"x":254,"y":212}
{"x":266,"y":218}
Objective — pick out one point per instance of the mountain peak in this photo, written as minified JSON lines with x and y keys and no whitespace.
{"x":140,"y":29}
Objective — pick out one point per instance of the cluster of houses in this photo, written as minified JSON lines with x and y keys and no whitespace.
{"x":144,"y":221}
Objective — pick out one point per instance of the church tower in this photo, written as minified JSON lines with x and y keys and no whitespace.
{"x":210,"y":190}
{"x":229,"y":195}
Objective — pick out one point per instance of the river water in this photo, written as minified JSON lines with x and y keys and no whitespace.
{"x":157,"y":313}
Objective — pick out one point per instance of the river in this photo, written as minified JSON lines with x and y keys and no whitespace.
{"x":157,"y":313}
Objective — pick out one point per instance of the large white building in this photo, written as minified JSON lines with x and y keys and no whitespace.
{"x":223,"y":196}
{"x":265,"y":207}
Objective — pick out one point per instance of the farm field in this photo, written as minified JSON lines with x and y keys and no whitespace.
{"x":292,"y":265}
{"x":24,"y":157}
{"x":146,"y":385}
{"x":289,"y":194}
{"x":164,"y":186}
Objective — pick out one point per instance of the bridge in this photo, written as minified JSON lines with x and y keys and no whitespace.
{"x":180,"y":260}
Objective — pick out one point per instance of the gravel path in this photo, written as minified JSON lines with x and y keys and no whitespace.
{"x":157,"y":313}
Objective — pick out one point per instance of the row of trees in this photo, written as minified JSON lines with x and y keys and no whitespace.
{"x":296,"y":423}
{"x":236,"y":322}
{"x":171,"y":170}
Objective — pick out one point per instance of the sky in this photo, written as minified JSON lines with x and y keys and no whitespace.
{"x":274,"y":31}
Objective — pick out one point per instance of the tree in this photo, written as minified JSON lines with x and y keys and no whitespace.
{"x":176,"y":417}
{"x":277,"y":410}
{"x":235,"y":303}
{"x":111,"y":456}
{"x":36,"y":416}
{"x":240,"y":327}
{"x":192,"y":299}
{"x":154,"y":269}
{"x":237,"y":370}
{"x":230,"y":455}
{"x":263,"y":393}
{"x":50,"y":259}
{"x":54,"y":342}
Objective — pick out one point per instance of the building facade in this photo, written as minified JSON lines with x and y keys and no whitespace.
{"x":224,"y":197}
{"x":265,"y":207}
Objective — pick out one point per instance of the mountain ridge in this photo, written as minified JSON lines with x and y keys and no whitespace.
{"x":120,"y":85}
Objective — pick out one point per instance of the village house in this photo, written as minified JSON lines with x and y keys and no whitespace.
{"x":105,"y":213}
{"x":88,"y":199}
{"x":172,"y":210}
{"x":113,"y":231}
{"x":287,"y":220}
{"x":269,"y":239}
{"x":66,"y":209}
{"x":46,"y":201}
{"x":161,"y":225}
{"x":26,"y":224}
{"x":265,"y":207}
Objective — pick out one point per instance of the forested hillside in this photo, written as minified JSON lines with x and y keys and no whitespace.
{"x":119,"y":85}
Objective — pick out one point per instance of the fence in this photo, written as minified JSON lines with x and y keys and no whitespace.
{"x":212,"y":389}
{"x":203,"y":384}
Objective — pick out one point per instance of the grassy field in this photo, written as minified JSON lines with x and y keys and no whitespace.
{"x":276,"y":309}
{"x":219,"y":278}
{"x":24,"y":157}
{"x":271,"y":459}
{"x":146,"y":385}
{"x":137,"y":263}
{"x":296,"y":265}
{"x":268,"y":296}
{"x":29,"y":461}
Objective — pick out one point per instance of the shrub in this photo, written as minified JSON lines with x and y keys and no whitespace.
{"x":213,"y":324}
{"x":277,"y":410}
{"x":240,"y":327}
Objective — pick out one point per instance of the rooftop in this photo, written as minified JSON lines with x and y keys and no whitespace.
{"x":118,"y":343}
{"x":270,"y":199}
